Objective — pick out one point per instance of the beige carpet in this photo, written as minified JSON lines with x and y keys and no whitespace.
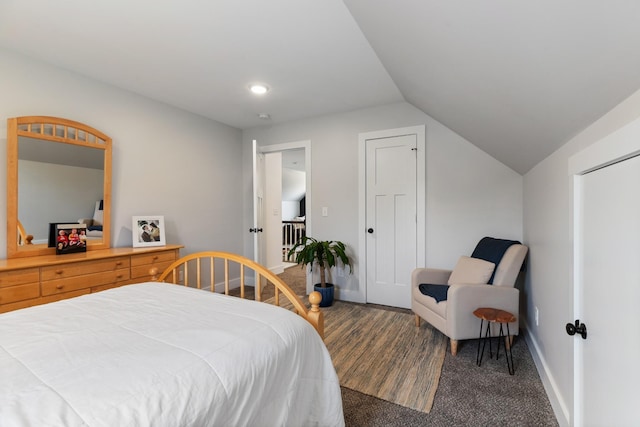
{"x":380,"y":352}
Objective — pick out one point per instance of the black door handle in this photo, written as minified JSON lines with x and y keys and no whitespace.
{"x":370,"y":230}
{"x":578,"y":328}
{"x":255,"y":230}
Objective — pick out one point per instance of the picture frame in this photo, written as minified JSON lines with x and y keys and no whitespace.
{"x":70,"y":238}
{"x":148,"y":230}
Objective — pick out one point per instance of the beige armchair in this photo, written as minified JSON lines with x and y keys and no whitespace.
{"x":468,"y":290}
{"x":94,"y":225}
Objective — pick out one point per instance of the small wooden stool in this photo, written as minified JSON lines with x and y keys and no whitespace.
{"x":493,"y":315}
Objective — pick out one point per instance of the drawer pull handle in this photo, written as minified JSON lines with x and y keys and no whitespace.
{"x":155,"y":257}
{"x":119,"y":263}
{"x":59,"y":271}
{"x":59,"y":287}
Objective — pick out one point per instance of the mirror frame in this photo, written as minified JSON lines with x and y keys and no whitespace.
{"x":56,"y":130}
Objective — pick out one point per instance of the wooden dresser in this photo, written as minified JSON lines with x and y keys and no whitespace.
{"x":37,"y":280}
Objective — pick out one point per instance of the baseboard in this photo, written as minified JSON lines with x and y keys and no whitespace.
{"x":558,"y":404}
{"x":350,"y":296}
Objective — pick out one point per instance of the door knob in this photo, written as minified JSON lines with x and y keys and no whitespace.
{"x":578,"y":328}
{"x":370,"y":230}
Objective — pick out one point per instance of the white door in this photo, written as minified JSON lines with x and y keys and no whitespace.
{"x":272,"y":220}
{"x":607,"y":369}
{"x":258,"y":204}
{"x":391,"y":243}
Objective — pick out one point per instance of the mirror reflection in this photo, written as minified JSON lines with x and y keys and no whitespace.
{"x":59,"y":183}
{"x":58,"y":171}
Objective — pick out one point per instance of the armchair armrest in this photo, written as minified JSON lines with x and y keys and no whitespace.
{"x":462,"y":300}
{"x":433,"y":276}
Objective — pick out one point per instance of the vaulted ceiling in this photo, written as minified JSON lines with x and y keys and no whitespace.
{"x":517,"y":79}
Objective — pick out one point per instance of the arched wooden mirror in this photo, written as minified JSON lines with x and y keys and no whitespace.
{"x":58,"y":171}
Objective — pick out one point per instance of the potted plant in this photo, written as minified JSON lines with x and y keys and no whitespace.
{"x":325,"y":254}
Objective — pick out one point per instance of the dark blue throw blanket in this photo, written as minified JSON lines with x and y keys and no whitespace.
{"x":488,"y":249}
{"x":439,"y":292}
{"x":492,"y":250}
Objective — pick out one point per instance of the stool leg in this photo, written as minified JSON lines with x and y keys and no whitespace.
{"x":500,"y":338}
{"x":487,"y":336}
{"x":478,"y":358}
{"x":509,"y":355}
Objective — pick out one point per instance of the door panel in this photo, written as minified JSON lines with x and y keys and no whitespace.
{"x":258,"y":204}
{"x":607,"y":366}
{"x":391,"y":165}
{"x":273,"y":212}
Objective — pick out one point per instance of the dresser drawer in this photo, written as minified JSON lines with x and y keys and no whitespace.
{"x":83,"y":268}
{"x":4,"y":308}
{"x":19,"y":293}
{"x":87,"y":281}
{"x":153,"y":258}
{"x":19,"y":277}
{"x":59,"y":297}
{"x":143,"y":272}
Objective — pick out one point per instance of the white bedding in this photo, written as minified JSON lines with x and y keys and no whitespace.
{"x":157,"y":354}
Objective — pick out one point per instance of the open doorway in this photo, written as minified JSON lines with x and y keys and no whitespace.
{"x":294,"y":189}
{"x":287,"y":201}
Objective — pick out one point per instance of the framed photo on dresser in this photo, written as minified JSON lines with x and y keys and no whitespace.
{"x":148,"y":231}
{"x":70,"y":238}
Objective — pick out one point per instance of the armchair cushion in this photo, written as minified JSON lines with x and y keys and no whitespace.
{"x":472,"y":271}
{"x":88,"y":221}
{"x":468,"y":270}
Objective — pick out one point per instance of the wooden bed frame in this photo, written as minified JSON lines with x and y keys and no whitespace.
{"x":203,"y":265}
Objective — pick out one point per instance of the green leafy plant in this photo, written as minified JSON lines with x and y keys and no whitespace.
{"x":323,"y":253}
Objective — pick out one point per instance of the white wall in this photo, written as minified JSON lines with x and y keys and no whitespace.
{"x":548,"y":229}
{"x":166,"y":161}
{"x":55,"y":192}
{"x":469,"y":194}
{"x":293,"y":185}
{"x":290,"y":210}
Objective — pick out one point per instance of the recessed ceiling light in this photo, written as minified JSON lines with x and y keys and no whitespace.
{"x":258,"y":89}
{"x":264,"y":116}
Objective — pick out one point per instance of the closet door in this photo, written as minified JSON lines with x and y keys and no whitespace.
{"x":607,"y":369}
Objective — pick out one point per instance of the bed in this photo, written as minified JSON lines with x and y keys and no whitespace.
{"x":157,"y":354}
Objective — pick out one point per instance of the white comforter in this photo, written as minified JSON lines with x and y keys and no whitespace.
{"x":157,"y":354}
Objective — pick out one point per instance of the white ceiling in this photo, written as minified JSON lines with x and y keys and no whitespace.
{"x":517,"y":79}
